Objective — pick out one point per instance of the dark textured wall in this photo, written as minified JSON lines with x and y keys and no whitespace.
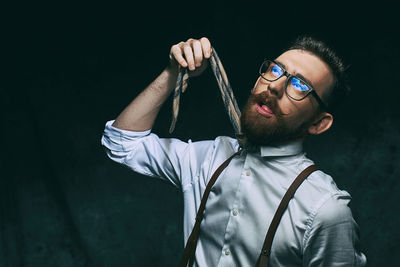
{"x":67,"y":69}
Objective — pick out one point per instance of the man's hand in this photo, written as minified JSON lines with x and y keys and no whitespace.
{"x":192,"y":54}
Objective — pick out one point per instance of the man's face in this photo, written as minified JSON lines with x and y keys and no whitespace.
{"x":270,"y":117}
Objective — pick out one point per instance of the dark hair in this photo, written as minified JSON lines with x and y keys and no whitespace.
{"x":340,"y":88}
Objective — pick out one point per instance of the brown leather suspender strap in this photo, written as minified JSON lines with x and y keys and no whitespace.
{"x":190,"y":249}
{"x":266,"y":249}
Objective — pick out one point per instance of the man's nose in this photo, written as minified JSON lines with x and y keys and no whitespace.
{"x":275,"y":88}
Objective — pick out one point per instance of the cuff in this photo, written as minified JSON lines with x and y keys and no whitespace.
{"x":118,"y":140}
{"x":109,"y":129}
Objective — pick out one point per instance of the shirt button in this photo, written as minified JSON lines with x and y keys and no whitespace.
{"x":235,"y":212}
{"x":227,"y":252}
{"x":248,"y":172}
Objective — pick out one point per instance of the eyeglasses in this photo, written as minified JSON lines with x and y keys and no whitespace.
{"x":296,"y":88}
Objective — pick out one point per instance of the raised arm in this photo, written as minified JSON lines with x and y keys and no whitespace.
{"x":141,"y":113}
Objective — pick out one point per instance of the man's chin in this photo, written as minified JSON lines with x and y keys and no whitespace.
{"x":260,"y":131}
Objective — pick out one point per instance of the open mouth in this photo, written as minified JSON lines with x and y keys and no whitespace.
{"x":264,"y":110}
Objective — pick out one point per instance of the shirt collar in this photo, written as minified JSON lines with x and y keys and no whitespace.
{"x":288,"y":149}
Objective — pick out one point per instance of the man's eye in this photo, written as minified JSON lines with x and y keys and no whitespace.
{"x":276,"y":71}
{"x":299,"y":85}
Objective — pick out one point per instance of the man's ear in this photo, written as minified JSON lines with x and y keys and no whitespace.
{"x":321,"y":123}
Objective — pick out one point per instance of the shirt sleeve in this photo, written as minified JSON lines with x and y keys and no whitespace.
{"x":333,"y":239}
{"x":145,"y":153}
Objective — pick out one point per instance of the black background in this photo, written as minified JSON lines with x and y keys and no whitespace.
{"x":67,"y":68}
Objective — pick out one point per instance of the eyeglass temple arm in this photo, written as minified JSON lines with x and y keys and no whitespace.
{"x":319,"y":100}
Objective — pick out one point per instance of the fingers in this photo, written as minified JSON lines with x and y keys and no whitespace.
{"x":191,"y":53}
{"x":188,"y":52}
{"x":176,"y":54}
{"x":206,"y":46}
{"x":198,"y":53}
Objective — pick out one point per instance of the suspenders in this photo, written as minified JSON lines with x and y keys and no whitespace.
{"x":190,"y":248}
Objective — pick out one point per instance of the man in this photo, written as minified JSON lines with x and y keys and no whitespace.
{"x":291,"y":99}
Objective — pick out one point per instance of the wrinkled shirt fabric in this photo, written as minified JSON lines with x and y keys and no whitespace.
{"x":317,"y":229}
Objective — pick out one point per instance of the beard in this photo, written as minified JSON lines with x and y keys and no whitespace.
{"x":260,"y":131}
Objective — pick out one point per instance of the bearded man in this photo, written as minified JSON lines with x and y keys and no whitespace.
{"x":293,"y":97}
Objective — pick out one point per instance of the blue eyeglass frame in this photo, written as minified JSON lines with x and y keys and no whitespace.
{"x":289,"y":76}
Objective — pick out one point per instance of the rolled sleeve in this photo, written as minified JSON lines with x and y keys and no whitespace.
{"x":145,"y":153}
{"x":333,"y":237}
{"x":119,"y":143}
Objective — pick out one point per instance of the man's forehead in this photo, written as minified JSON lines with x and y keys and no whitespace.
{"x":308,"y":65}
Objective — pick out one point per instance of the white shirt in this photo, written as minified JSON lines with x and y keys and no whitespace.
{"x":317,"y":229}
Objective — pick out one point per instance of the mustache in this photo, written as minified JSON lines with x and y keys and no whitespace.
{"x":271,"y":102}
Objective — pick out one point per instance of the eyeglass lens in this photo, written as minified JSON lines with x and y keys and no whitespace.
{"x":296,"y":88}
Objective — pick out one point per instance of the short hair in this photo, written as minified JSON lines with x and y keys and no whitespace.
{"x":340,"y":87}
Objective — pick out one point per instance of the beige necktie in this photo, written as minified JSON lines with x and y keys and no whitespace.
{"x":228,"y":98}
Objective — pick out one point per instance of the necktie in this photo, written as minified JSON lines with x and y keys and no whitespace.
{"x":228,"y":98}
